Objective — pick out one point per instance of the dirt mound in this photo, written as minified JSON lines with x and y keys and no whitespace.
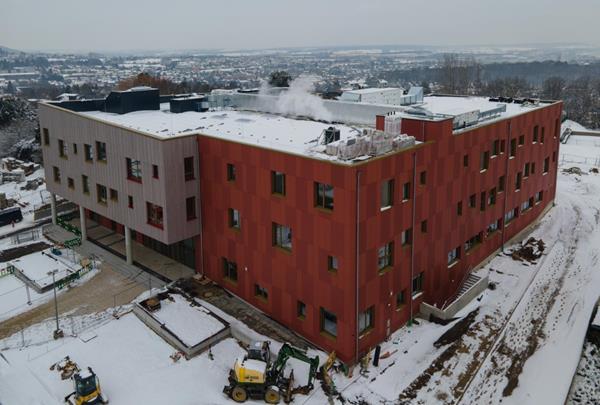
{"x":14,"y":253}
{"x":457,"y":330}
{"x":529,"y":251}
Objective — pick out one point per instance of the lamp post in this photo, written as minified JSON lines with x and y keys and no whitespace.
{"x":57,"y":333}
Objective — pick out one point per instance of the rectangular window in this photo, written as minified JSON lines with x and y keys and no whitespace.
{"x":62,"y":148}
{"x":492,"y":197}
{"x":101,"y":194}
{"x":466,"y":161}
{"x":74,"y":148}
{"x":473,"y":201}
{"x":406,"y":237}
{"x":85,"y":184}
{"x":101,"y":151}
{"x":229,"y":270}
{"x":527,"y":205}
{"x":459,"y":208}
{"x":501,"y":183}
{"x":46,"y":136}
{"x":188,"y":168}
{"x":400,"y":299}
{"x":190,"y":208}
{"x":510,"y":215}
{"x":134,"y":170}
{"x":387,"y":194}
{"x":543,"y":135}
{"x":518,"y":181}
{"x":365,"y":320}
{"x":385,"y":256}
{"x":496,"y":147}
{"x":424,"y":226}
{"x":493,"y":227}
{"x":277,"y":183}
{"x":474,"y":241}
{"x":155,"y":171}
{"x":521,"y":140}
{"x":230,"y":172}
{"x":423,"y":178}
{"x":261,"y":292}
{"x":502,"y":146}
{"x":526,"y":170}
{"x":406,"y":192}
{"x":453,"y":255}
{"x":154,"y":215}
{"x":130,"y":201}
{"x":535,"y":134}
{"x":532,"y":167}
{"x":324,"y":196}
{"x":332,"y":264}
{"x":235,"y":219}
{"x":301,"y":310}
{"x":417,"y":284}
{"x":88,"y":153}
{"x":539,"y":196}
{"x":114,"y":195}
{"x":482,"y":201}
{"x":513,"y":147}
{"x":282,"y":236}
{"x":71,"y":183}
{"x":554,"y":156}
{"x":328,"y":322}
{"x":484,"y":162}
{"x":56,"y":172}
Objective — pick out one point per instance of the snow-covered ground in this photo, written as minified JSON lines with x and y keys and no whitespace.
{"x":28,"y":200}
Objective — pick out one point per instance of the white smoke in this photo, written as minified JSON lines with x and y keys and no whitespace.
{"x":299,"y":100}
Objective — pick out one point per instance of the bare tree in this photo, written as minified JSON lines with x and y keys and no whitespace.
{"x":553,"y":88}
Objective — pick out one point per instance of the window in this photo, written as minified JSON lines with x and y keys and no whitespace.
{"x":473,"y":201}
{"x":510,"y":215}
{"x":85,"y":184}
{"x":301,"y":310}
{"x":543,"y":136}
{"x":114,"y":195}
{"x":474,"y":241}
{"x":74,"y":148}
{"x":88,"y":153}
{"x":332,"y":264}
{"x":501,"y":184}
{"x":459,"y":208}
{"x":406,"y":191}
{"x":424,"y":226}
{"x":62,"y":149}
{"x":482,"y":201}
{"x":532,"y":167}
{"x":155,"y":171}
{"x":406,"y":237}
{"x":492,"y":197}
{"x":554,"y":156}
{"x":423,"y":178}
{"x":134,"y":170}
{"x":513,"y":147}
{"x":385,"y":256}
{"x":518,"y":181}
{"x":493,"y":227}
{"x":277,"y":183}
{"x":528,"y":204}
{"x":154,"y":215}
{"x":130,"y":201}
{"x":526,"y":170}
{"x":365,"y":320}
{"x":536,"y":129}
{"x":56,"y":172}
{"x":387,"y":194}
{"x":230,"y":172}
{"x":496,"y":147}
{"x":539,"y":196}
{"x":484,"y":161}
{"x":521,"y":140}
{"x":190,"y":208}
{"x":101,"y":151}
{"x":400,"y":299}
{"x":188,"y":168}
{"x":101,"y":194}
{"x":417,"y":284}
{"x":502,"y":146}
{"x":453,"y":255}
{"x":556,"y":128}
{"x":466,"y":161}
{"x":328,"y":322}
{"x":46,"y":135}
{"x":324,"y":196}
{"x":71,"y":183}
{"x":235,"y":219}
{"x":229,"y":270}
{"x":261,"y":292}
{"x":282,"y":236}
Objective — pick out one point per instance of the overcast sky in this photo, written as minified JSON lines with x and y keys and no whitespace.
{"x":113,"y":25}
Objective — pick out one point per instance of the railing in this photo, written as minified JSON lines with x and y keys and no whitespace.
{"x":454,"y":296}
{"x":585,"y":160}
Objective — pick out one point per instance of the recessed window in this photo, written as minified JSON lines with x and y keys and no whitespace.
{"x":101,"y":194}
{"x":231,"y":174}
{"x":190,"y":208}
{"x":56,"y":174}
{"x":513,"y":147}
{"x":235,"y":219}
{"x":546,"y":165}
{"x":554,"y":156}
{"x":539,"y":196}
{"x":74,"y":148}
{"x":543,"y":136}
{"x":406,"y":237}
{"x":324,"y":196}
{"x":155,"y":171}
{"x":526,"y":170}
{"x":406,"y":191}
{"x":535,"y":134}
{"x":301,"y":310}
{"x":496,"y":147}
{"x":188,"y":168}
{"x":501,"y":183}
{"x":453,"y":255}
{"x":510,"y":215}
{"x":261,"y":292}
{"x":114,"y":194}
{"x":332,"y":264}
{"x":62,"y":149}
{"x":101,"y":151}
{"x":282,"y":236}
{"x":70,"y":183}
{"x":328,"y":322}
{"x":85,"y":184}
{"x":459,"y":208}
{"x":88,"y":153}
{"x":46,"y":136}
{"x":473,"y":201}
{"x":385,"y":256}
{"x":154,"y":215}
{"x":423,"y":178}
{"x":527,"y":205}
{"x":472,"y":242}
{"x":493,"y":227}
{"x":387,"y":194}
{"x":492,"y":197}
{"x":417,"y":284}
{"x":502,"y":146}
{"x":532,"y":167}
{"x":521,"y":140}
{"x":466,"y":161}
{"x":424,"y":226}
{"x":134,"y":170}
{"x":484,"y":162}
{"x":229,"y":270}
{"x":130,"y":201}
{"x":518,"y":181}
{"x":277,"y":183}
{"x":365,"y":320}
{"x":400,"y":299}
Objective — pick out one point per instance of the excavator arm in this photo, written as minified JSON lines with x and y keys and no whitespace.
{"x":288,"y":351}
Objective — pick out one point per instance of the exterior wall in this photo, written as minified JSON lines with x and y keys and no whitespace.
{"x":168,"y":191}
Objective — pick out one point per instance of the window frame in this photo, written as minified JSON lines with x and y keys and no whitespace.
{"x":278,"y":237}
{"x":324,"y":196}
{"x":88,"y":153}
{"x":385,"y":257}
{"x":231,"y":174}
{"x":134,"y":170}
{"x":155,"y":215}
{"x":101,"y":154}
{"x":366,"y":321}
{"x":323,"y":314}
{"x":419,"y":278}
{"x":234,"y":219}
{"x":386,"y":194}
{"x":278,"y":183}
{"x":229,"y":268}
{"x":101,"y":194}
{"x":189,"y":173}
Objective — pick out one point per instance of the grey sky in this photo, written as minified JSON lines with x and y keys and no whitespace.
{"x":112,"y":25}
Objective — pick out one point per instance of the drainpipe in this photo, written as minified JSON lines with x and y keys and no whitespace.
{"x":356,"y":301}
{"x":200,"y":214}
{"x":505,"y":184}
{"x":413,"y":233}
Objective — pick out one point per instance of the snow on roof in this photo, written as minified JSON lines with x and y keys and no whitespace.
{"x":35,"y":266}
{"x":374,"y":90}
{"x":253,"y":365}
{"x":459,"y":105}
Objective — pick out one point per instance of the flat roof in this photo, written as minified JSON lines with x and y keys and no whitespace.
{"x":373,"y":90}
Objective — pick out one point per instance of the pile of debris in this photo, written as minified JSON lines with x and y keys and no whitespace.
{"x":529,"y":251}
{"x":66,"y":367}
{"x":12,"y":169}
{"x":573,"y":170}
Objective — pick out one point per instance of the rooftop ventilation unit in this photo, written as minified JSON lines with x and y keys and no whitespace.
{"x":332,"y":134}
{"x":135,"y":99}
{"x":193,"y":103}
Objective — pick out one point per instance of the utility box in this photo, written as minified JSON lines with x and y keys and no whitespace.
{"x":134,"y":99}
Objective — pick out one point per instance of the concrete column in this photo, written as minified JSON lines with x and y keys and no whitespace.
{"x":53,"y":208}
{"x":128,"y":251}
{"x":82,"y":223}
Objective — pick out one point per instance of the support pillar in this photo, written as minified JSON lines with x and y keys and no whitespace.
{"x":128,"y":251}
{"x":53,"y":208}
{"x":82,"y":223}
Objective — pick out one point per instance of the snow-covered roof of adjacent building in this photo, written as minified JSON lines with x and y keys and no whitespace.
{"x":374,"y":90}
